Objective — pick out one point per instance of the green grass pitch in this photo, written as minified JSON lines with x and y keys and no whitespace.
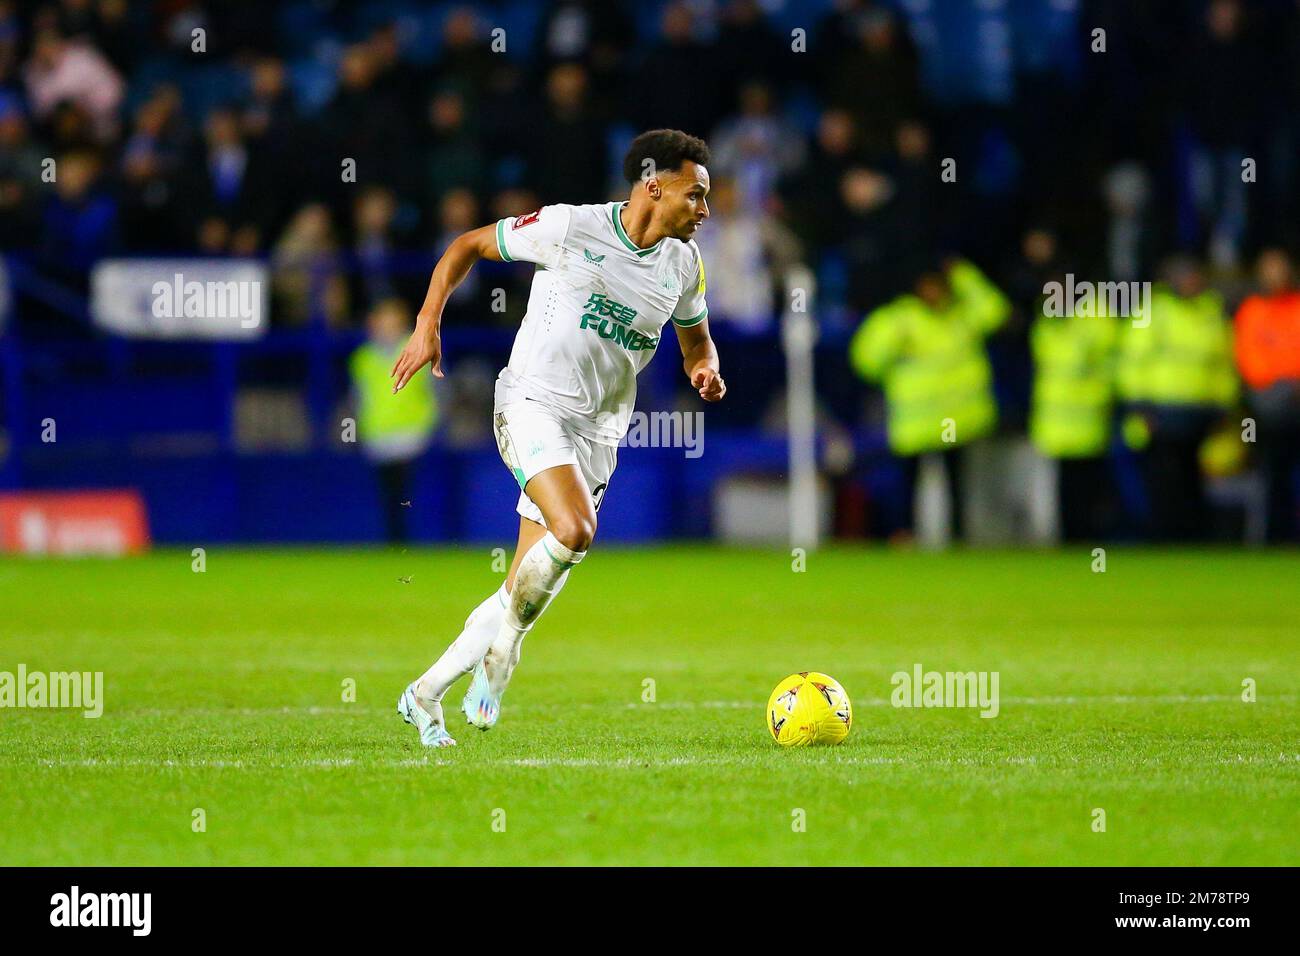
{"x":224,"y":692}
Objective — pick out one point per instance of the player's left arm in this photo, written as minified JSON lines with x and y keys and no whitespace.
{"x":700,"y":360}
{"x":691,"y":320}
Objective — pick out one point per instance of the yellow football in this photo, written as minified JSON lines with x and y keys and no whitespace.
{"x":809,"y":708}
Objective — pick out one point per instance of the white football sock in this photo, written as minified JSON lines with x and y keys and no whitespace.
{"x":481,"y":628}
{"x":508,"y":649}
{"x":541,"y":574}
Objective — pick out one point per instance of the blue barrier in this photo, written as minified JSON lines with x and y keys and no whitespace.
{"x":159,"y":417}
{"x":332,"y":496}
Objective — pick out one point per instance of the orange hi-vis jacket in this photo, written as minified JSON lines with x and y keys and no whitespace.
{"x":1268,"y":339}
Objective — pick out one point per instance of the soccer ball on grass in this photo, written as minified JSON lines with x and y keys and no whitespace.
{"x":809,"y":708}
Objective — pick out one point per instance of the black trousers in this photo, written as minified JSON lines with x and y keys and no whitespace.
{"x":1085,"y":498}
{"x":394,"y":485}
{"x":1279,"y":456}
{"x":1171,"y":471}
{"x":951,"y":459}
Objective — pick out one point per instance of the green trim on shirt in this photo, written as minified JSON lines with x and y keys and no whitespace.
{"x":695,"y":320}
{"x":501,"y":241}
{"x":622,"y":233}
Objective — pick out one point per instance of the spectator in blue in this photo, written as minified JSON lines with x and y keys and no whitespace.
{"x":79,"y":221}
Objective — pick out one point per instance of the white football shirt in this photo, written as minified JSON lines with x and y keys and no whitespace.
{"x":596,"y":311}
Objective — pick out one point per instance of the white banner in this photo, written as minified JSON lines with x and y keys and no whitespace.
{"x":215,"y":299}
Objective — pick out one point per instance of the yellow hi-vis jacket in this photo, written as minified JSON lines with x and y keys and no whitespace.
{"x":1184,"y":356}
{"x":382,"y":417}
{"x":932,"y":363}
{"x":1074,"y":383}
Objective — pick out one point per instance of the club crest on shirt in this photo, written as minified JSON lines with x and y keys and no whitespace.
{"x":670,"y":281}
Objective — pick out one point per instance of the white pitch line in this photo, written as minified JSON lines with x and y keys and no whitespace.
{"x":1003,"y":700}
{"x":332,"y":763}
{"x":247,"y":711}
{"x":1135,"y":699}
{"x":354,"y":709}
{"x":627,"y":763}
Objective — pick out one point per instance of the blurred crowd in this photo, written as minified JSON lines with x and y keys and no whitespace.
{"x":348,"y":143}
{"x":1161,"y":372}
{"x":221,"y":127}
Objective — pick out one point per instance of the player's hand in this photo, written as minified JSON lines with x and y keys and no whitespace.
{"x":710,"y":384}
{"x":424,"y":348}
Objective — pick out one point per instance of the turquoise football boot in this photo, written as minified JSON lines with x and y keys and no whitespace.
{"x":432,"y":732}
{"x":480,"y":706}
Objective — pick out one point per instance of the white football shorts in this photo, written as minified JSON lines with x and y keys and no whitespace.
{"x":532,"y":437}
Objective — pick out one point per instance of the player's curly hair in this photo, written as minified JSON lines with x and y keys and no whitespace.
{"x":662,"y":150}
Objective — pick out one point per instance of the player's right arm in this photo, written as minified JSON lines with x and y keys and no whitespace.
{"x":425,"y":345}
{"x":537,"y":237}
